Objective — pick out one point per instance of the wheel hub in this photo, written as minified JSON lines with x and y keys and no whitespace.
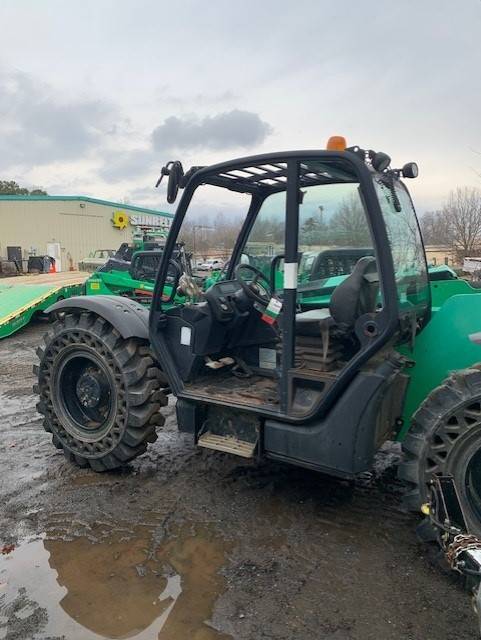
{"x":89,"y":390}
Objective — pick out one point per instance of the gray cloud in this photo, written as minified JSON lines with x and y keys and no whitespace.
{"x":227,"y":130}
{"x":149,"y":196}
{"x":404,"y":82}
{"x":223,"y":131}
{"x":38,"y":127}
{"x":128,"y":164}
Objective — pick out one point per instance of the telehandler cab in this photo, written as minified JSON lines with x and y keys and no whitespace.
{"x":265,"y":363}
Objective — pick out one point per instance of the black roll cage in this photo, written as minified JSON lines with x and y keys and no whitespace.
{"x":387,"y":320}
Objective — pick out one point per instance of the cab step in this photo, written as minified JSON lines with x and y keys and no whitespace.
{"x":228,"y":444}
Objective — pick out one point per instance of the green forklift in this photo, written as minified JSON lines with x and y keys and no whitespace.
{"x":262,"y":367}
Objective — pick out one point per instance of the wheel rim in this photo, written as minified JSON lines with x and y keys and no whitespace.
{"x":86,"y":395}
{"x":473,"y":483}
{"x":455,"y":448}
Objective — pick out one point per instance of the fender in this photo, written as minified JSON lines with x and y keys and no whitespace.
{"x":451,"y":341}
{"x":129,"y":318}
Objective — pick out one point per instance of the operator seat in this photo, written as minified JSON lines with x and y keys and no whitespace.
{"x":354,"y":297}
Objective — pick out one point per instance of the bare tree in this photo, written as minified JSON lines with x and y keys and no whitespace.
{"x":268,"y":229}
{"x":436,"y":228}
{"x":463,"y":216}
{"x":348,"y":226}
{"x":211,"y":234}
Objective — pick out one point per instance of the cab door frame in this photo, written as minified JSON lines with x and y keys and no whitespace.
{"x":372,"y":337}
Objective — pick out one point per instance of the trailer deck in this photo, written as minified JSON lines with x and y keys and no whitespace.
{"x":22,"y":297}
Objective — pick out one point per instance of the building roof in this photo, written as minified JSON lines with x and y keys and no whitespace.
{"x":438,"y":247}
{"x":119,"y":205}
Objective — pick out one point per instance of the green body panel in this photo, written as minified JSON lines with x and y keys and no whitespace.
{"x":18,"y":303}
{"x":213,"y":277}
{"x":442,"y":290}
{"x":121,"y":283}
{"x":115,"y":283}
{"x":444,"y":271}
{"x":448,"y":342}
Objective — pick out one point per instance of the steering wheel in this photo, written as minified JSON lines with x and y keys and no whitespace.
{"x":261,"y":293}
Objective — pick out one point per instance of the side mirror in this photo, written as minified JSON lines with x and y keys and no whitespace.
{"x":175,"y":172}
{"x":175,"y":176}
{"x":410,"y":170}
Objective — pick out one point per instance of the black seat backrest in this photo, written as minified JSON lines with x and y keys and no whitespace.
{"x":357,"y":294}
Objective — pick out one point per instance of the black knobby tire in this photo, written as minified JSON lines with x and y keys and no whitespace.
{"x":445,"y":438}
{"x":100,"y":394}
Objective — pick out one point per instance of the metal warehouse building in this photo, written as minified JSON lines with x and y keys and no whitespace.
{"x":70,"y":227}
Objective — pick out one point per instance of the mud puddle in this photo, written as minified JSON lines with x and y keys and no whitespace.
{"x":122,"y":587}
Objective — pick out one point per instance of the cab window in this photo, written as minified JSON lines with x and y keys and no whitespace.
{"x":333,"y":236}
{"x":406,"y":245}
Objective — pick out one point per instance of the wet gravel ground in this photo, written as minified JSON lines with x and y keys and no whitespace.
{"x":187,"y":543}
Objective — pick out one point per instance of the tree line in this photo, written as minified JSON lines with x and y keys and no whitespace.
{"x":346,"y":226}
{"x":12,"y":188}
{"x":457,"y":224}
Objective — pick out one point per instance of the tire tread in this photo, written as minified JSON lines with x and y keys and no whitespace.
{"x":143,"y":382}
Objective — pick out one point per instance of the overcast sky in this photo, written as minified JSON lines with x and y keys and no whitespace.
{"x":96,"y":95}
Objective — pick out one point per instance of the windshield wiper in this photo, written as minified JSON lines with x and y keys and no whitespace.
{"x":387,"y":180}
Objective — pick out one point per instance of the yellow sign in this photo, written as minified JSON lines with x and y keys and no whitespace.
{"x":120,"y":219}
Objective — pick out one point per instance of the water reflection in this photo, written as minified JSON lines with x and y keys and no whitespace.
{"x":113,"y":589}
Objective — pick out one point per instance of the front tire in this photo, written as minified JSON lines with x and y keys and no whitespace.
{"x":100,"y":394}
{"x":445,"y":438}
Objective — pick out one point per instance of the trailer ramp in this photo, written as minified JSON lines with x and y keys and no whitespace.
{"x":23,"y":297}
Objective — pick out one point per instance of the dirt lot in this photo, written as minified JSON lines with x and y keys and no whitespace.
{"x":189,"y":544}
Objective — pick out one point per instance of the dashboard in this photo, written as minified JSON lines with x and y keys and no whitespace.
{"x":227,"y":300}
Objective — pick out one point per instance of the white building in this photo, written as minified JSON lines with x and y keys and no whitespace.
{"x":70,"y":228}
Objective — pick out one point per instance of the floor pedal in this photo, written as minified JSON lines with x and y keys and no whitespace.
{"x":229,"y":444}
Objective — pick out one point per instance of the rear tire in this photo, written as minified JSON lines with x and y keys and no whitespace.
{"x":100,"y":394}
{"x":445,"y":438}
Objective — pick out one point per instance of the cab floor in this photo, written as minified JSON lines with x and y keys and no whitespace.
{"x":226,"y":387}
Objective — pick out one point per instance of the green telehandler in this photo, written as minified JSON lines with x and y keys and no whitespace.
{"x":262,"y":368}
{"x":134,"y":278}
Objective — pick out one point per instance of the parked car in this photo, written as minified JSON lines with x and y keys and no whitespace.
{"x":211,"y":265}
